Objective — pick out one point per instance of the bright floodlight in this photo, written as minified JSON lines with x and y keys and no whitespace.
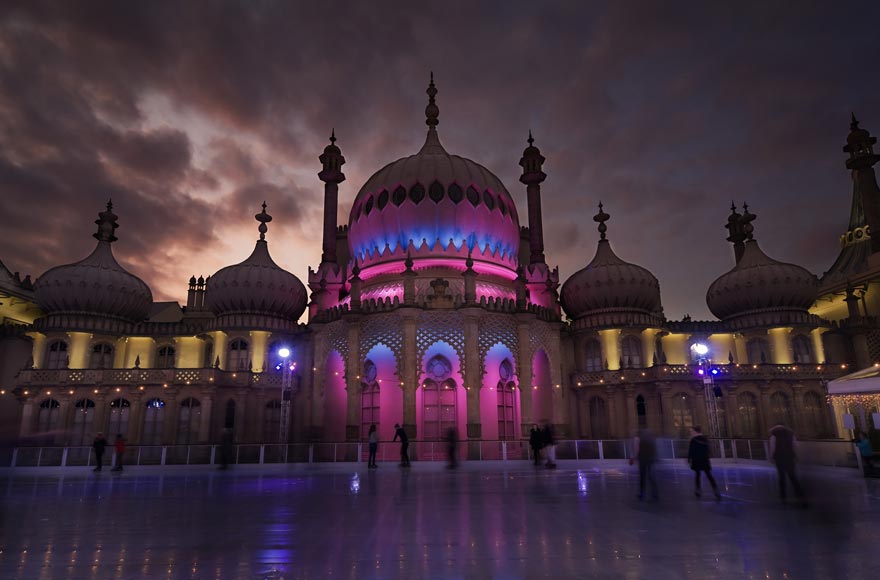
{"x":700,"y":348}
{"x":284,"y":352}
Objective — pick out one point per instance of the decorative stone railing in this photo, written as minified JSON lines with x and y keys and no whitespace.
{"x":36,"y":378}
{"x":723,"y":373}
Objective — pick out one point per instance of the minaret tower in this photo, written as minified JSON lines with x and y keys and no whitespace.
{"x":328,"y":280}
{"x":541,"y":282}
{"x":860,"y":146}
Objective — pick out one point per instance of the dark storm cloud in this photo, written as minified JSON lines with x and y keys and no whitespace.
{"x":190,"y":114}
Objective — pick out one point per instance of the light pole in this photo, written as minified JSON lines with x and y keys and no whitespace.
{"x":707,"y":374}
{"x":287,"y":368}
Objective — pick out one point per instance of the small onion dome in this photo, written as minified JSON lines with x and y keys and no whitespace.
{"x":436,"y":202}
{"x":610,"y":285}
{"x":97,"y":285}
{"x":759,"y":284}
{"x":257,"y":286}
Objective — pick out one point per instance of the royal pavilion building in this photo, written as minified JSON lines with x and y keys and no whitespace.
{"x":435,"y":307}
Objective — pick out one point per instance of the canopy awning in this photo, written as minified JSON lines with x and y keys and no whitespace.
{"x":863,"y":381}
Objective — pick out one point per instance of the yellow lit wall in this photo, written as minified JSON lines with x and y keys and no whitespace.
{"x":676,"y":346}
{"x":818,"y":347}
{"x":78,"y":349}
{"x":39,"y":351}
{"x":649,"y":345}
{"x":721,"y":346}
{"x":220,"y":341}
{"x":140,"y":346}
{"x":611,"y":347}
{"x":188,"y":352}
{"x":259,"y":340}
{"x":780,"y":342}
{"x":119,"y":350}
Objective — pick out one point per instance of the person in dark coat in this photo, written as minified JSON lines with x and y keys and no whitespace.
{"x":99,"y":444}
{"x":535,"y":444}
{"x":698,"y":458}
{"x":373,"y":440}
{"x":452,"y":447}
{"x":400,"y":433}
{"x":646,"y":454}
{"x":783,"y":454}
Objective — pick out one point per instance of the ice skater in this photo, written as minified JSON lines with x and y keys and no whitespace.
{"x":99,"y":444}
{"x":698,"y":458}
{"x":373,"y":439}
{"x":783,"y":445}
{"x":535,"y":444}
{"x":119,"y":451}
{"x":400,"y":433}
{"x":646,"y":454}
{"x":549,"y":443}
{"x":452,"y":447}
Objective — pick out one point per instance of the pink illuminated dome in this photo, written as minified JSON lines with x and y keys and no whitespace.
{"x":434,"y":205}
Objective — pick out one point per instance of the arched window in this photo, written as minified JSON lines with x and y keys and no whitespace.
{"x":165,"y":357}
{"x":598,"y":418}
{"x":237,"y":359}
{"x":682,"y":415}
{"x":209,"y":353}
{"x":119,"y":412}
{"x":47,"y":420}
{"x":56,"y":355}
{"x":102,"y":356}
{"x":780,"y":409}
{"x":154,"y":421}
{"x":83,"y":417}
{"x":814,"y":414}
{"x":439,"y":413}
{"x":758,"y":350}
{"x":188,"y":421}
{"x":272,"y":422}
{"x":593,"y":352}
{"x":641,"y":412}
{"x":802,"y":348}
{"x":507,"y":430}
{"x":631,"y":352}
{"x":369,"y":407}
{"x":747,"y":415}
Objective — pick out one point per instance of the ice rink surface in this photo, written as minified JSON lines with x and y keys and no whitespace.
{"x":480,"y":521}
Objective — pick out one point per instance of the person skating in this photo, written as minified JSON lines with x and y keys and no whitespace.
{"x":99,"y":444}
{"x":646,"y":454}
{"x":373,"y":439}
{"x":698,"y":458}
{"x":400,"y":433}
{"x":535,"y":444}
{"x":549,"y":443}
{"x":783,"y":454}
{"x":119,"y":450}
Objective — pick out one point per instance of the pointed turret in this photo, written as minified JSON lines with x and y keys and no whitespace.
{"x":532,"y":163}
{"x":331,"y":174}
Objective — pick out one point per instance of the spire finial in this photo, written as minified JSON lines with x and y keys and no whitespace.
{"x":432,"y":111}
{"x":602,"y":217}
{"x":746,"y":220}
{"x":333,"y":136}
{"x":530,"y":139}
{"x":263,"y":218}
{"x":854,"y":123}
{"x":107,"y":225}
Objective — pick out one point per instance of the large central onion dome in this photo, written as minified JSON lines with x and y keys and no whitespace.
{"x":610,"y":291}
{"x":434,"y":204}
{"x":256,"y":291}
{"x":760,"y":290}
{"x":97,"y":285}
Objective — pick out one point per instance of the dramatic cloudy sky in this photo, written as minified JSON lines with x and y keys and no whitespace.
{"x":190,"y":114}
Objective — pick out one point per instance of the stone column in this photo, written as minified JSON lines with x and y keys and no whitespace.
{"x":100,"y":424}
{"x":524,"y":366}
{"x":206,"y":406}
{"x":240,"y":415}
{"x":39,"y":348}
{"x":473,"y":379}
{"x":411,"y":371}
{"x":614,"y":428}
{"x":665,"y":392}
{"x":731,"y":412}
{"x":172,"y":416}
{"x":764,"y":411}
{"x":632,"y":422}
{"x":135,"y":418}
{"x":65,"y":420}
{"x":27,"y":418}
